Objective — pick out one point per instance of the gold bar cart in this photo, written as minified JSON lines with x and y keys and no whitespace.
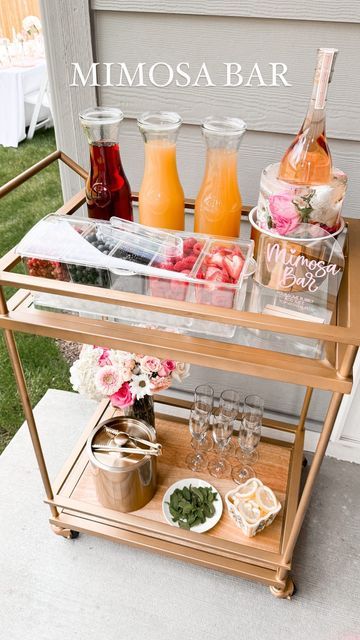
{"x":71,"y":498}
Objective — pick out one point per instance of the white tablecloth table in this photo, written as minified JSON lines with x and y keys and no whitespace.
{"x":15,"y":83}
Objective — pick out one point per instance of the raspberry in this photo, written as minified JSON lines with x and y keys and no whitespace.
{"x":189,"y":243}
{"x":190,"y":260}
{"x":197,"y":248}
{"x":178,"y":290}
{"x":166,"y":265}
{"x":180,"y":265}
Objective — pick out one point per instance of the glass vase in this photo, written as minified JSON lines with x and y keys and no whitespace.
{"x":142,"y":409}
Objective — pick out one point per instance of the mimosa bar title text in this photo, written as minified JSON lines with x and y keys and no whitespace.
{"x":162,"y":74}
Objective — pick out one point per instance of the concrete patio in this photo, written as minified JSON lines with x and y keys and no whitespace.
{"x":90,"y":588}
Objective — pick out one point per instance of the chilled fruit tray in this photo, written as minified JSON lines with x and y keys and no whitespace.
{"x":129,"y":257}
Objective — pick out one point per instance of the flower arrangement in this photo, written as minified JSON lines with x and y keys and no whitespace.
{"x":31,"y":25}
{"x":123,"y":377}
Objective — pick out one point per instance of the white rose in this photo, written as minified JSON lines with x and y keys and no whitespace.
{"x":325,"y":210}
{"x":74,"y":375}
{"x":321,"y":197}
{"x":181,"y":371}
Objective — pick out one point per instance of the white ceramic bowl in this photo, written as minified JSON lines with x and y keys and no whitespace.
{"x":249,"y":530}
{"x":195,"y":482}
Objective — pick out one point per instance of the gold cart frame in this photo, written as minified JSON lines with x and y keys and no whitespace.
{"x":68,"y":515}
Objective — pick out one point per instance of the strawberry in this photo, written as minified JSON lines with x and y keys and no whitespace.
{"x":233,"y":266}
{"x":212,"y":273}
{"x":221,"y":298}
{"x":237,"y":251}
{"x":216,"y":259}
{"x":203,"y":296}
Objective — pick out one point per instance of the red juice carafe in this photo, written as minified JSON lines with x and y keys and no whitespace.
{"x":107,"y":189}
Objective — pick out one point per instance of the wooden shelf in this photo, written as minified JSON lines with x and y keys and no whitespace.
{"x":75,"y":496}
{"x":200,"y":351}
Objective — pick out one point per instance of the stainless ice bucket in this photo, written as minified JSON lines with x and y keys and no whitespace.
{"x":127,"y":481}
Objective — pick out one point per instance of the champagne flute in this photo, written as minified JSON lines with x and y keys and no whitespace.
{"x":222,"y":431}
{"x":249,"y":438}
{"x":229,"y":403}
{"x":229,"y":406}
{"x":197,"y":425}
{"x":204,"y":403}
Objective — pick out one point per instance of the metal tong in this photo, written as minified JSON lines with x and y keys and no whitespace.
{"x":145,"y":452}
{"x":153,"y":448}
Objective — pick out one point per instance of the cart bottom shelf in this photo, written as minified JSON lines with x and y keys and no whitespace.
{"x":224,"y":547}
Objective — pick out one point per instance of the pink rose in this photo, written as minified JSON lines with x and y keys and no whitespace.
{"x":149,"y":364}
{"x":167,"y":366}
{"x":104,"y":358}
{"x":160,"y":384}
{"x":284,"y":214}
{"x":122,"y":398}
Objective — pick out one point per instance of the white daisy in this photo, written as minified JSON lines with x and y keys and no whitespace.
{"x":140,"y":386}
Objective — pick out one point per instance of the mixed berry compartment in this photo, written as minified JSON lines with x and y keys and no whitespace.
{"x":54,"y":269}
{"x":47,"y":269}
{"x":218,"y":265}
{"x":91,"y":274}
{"x":169,"y":286}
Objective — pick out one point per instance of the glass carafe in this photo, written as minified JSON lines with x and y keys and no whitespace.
{"x":108,"y":191}
{"x":161,"y":197}
{"x":218,"y":204}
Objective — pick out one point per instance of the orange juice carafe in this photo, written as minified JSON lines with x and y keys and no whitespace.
{"x":218,"y":204}
{"x":161,"y":197}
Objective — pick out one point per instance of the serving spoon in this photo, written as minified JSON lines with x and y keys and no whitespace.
{"x":121,"y":438}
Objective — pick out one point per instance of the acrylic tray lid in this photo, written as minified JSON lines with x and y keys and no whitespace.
{"x":64,"y":239}
{"x":157,"y":240}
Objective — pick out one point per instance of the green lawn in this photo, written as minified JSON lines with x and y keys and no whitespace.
{"x":44,"y":365}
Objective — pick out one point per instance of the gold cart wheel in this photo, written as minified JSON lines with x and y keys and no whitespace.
{"x":69,"y":534}
{"x":288,"y":591}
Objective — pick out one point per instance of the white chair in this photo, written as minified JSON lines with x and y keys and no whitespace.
{"x":40,"y":101}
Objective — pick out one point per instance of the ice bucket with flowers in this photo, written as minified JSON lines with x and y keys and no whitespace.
{"x":128,"y":380}
{"x":283,"y":207}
